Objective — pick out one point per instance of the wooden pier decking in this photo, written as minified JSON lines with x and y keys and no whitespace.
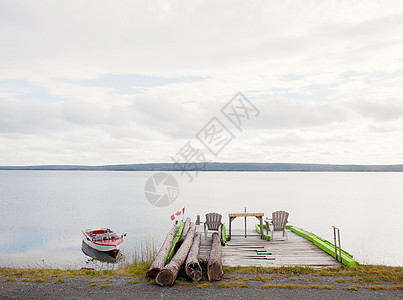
{"x":253,"y":251}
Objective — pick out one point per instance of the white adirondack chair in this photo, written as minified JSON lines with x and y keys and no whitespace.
{"x":277,"y":223}
{"x":213,"y":222}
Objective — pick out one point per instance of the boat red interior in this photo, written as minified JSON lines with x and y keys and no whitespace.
{"x":104,"y":237}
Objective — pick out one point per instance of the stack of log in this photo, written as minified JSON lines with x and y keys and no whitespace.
{"x":188,"y":250}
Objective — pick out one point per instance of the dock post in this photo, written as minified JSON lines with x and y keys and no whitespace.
{"x":245,"y":223}
{"x":338,"y":236}
{"x":335,"y":244}
{"x":230,"y":221}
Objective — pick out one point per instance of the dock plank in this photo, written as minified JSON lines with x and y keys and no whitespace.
{"x":253,"y":251}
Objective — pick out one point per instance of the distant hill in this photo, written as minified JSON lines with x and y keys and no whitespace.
{"x":215,"y":166}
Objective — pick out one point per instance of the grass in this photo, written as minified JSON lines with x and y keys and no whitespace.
{"x":360,"y":274}
{"x":371,"y":274}
{"x":381,"y":287}
{"x":133,"y":281}
{"x":258,"y":278}
{"x":353,"y":287}
{"x":297,"y":279}
{"x":203,"y":285}
{"x":315,"y":279}
{"x":396,"y":287}
{"x":104,"y":286}
{"x":11,"y":279}
{"x":26,"y":280}
{"x":239,"y":283}
{"x":94,"y":284}
{"x":59,"y":281}
{"x":322,"y":287}
{"x":135,"y":270}
{"x":376,"y":287}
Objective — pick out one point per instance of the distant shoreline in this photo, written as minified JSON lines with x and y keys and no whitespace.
{"x":216,"y":167}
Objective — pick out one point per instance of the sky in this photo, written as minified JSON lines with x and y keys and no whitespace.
{"x":120,"y":82}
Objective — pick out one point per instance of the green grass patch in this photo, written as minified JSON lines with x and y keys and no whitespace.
{"x":104,"y":286}
{"x":258,"y":278}
{"x":133,"y":281}
{"x":353,"y":287}
{"x":41,"y":280}
{"x":152,"y":281}
{"x":360,"y":274}
{"x":59,"y":281}
{"x":341,"y":280}
{"x":298,"y":279}
{"x":239,"y":283}
{"x":322,"y":287}
{"x":315,"y":279}
{"x":94,"y":284}
{"x":134,"y":270}
{"x":371,"y":274}
{"x":376,"y":287}
{"x":11,"y":279}
{"x":203,"y":285}
{"x":396,"y":287}
{"x":26,"y":280}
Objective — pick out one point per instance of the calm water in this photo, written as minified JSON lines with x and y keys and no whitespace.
{"x":42,"y":212}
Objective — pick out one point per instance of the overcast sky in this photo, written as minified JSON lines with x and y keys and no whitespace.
{"x":110,"y":82}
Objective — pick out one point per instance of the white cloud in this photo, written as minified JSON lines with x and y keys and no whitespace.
{"x":323,"y":74}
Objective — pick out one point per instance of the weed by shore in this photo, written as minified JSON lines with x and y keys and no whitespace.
{"x":361,"y":274}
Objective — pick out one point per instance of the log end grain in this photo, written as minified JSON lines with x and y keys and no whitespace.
{"x":165,"y":278}
{"x":194,"y":271}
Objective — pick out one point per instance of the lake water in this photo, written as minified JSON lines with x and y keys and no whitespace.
{"x":42,"y":213}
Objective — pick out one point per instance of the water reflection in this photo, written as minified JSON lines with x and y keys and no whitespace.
{"x":108,"y":257}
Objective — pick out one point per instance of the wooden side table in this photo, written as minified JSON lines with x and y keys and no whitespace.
{"x":233,"y":216}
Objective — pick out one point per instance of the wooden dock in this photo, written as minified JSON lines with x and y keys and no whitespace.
{"x":253,"y":251}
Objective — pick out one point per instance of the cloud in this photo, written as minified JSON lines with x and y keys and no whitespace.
{"x":387,"y":110}
{"x":97,"y":82}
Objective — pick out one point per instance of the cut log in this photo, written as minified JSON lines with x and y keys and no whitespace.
{"x":214,"y":265}
{"x":185,"y":230}
{"x":192,"y":267}
{"x":168,"y":274}
{"x":160,"y":259}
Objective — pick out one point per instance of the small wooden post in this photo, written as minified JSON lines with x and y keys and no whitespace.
{"x":245,"y":223}
{"x":338,"y":236}
{"x":335,"y":244}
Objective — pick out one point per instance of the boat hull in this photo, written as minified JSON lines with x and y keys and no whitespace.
{"x":103,"y":240}
{"x":103,"y":248}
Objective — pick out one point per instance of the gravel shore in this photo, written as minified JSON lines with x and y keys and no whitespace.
{"x":129,"y":288}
